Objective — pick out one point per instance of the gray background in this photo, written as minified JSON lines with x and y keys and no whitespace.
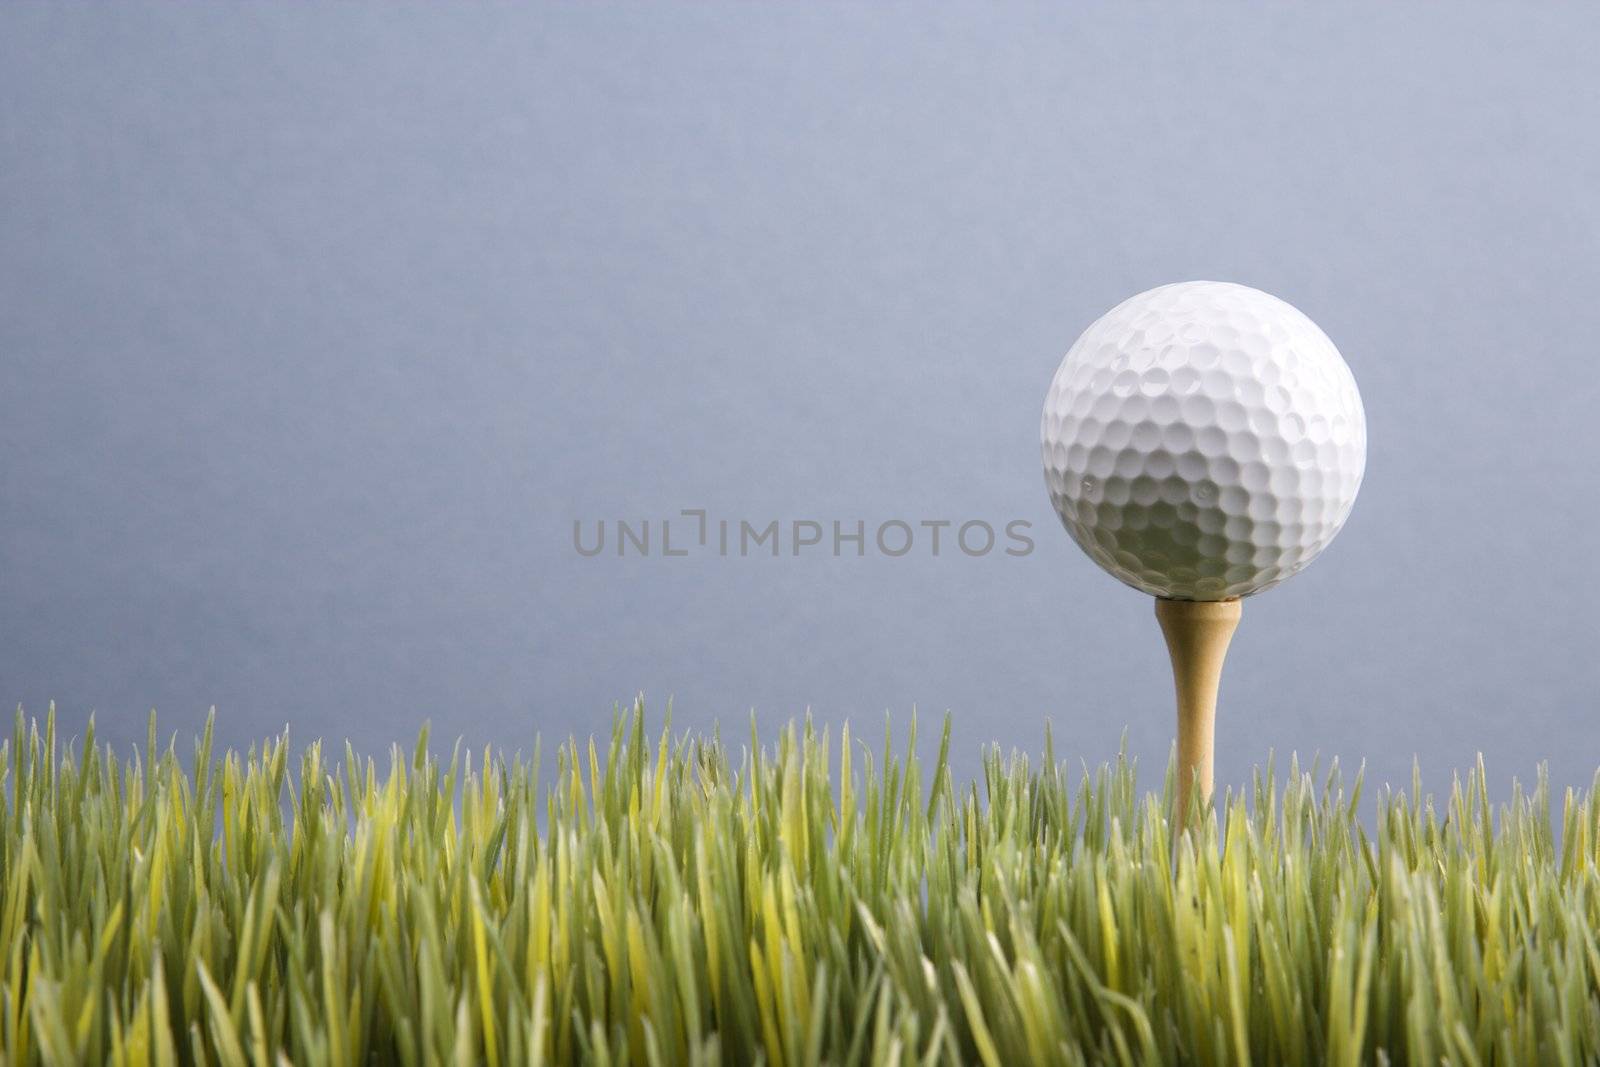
{"x":320,"y":326}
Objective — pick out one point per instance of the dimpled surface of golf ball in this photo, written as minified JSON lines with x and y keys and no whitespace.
{"x":1203,"y":441}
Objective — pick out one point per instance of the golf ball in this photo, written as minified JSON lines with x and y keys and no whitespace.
{"x":1203,"y":441}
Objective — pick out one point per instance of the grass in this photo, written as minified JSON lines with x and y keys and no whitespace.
{"x":686,"y":901}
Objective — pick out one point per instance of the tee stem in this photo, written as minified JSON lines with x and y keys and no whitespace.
{"x":1197,"y":633}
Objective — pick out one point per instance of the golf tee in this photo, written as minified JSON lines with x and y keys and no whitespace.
{"x":1197,"y":633}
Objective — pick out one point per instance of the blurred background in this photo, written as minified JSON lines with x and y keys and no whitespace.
{"x":321,"y":326}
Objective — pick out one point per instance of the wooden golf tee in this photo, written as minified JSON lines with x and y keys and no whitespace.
{"x":1197,"y":633}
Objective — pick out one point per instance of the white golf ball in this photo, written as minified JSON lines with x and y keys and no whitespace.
{"x":1203,"y":441}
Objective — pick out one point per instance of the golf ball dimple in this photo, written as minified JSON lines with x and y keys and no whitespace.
{"x":1203,"y":441}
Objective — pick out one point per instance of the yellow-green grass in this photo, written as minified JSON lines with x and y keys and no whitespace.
{"x":815,"y":900}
